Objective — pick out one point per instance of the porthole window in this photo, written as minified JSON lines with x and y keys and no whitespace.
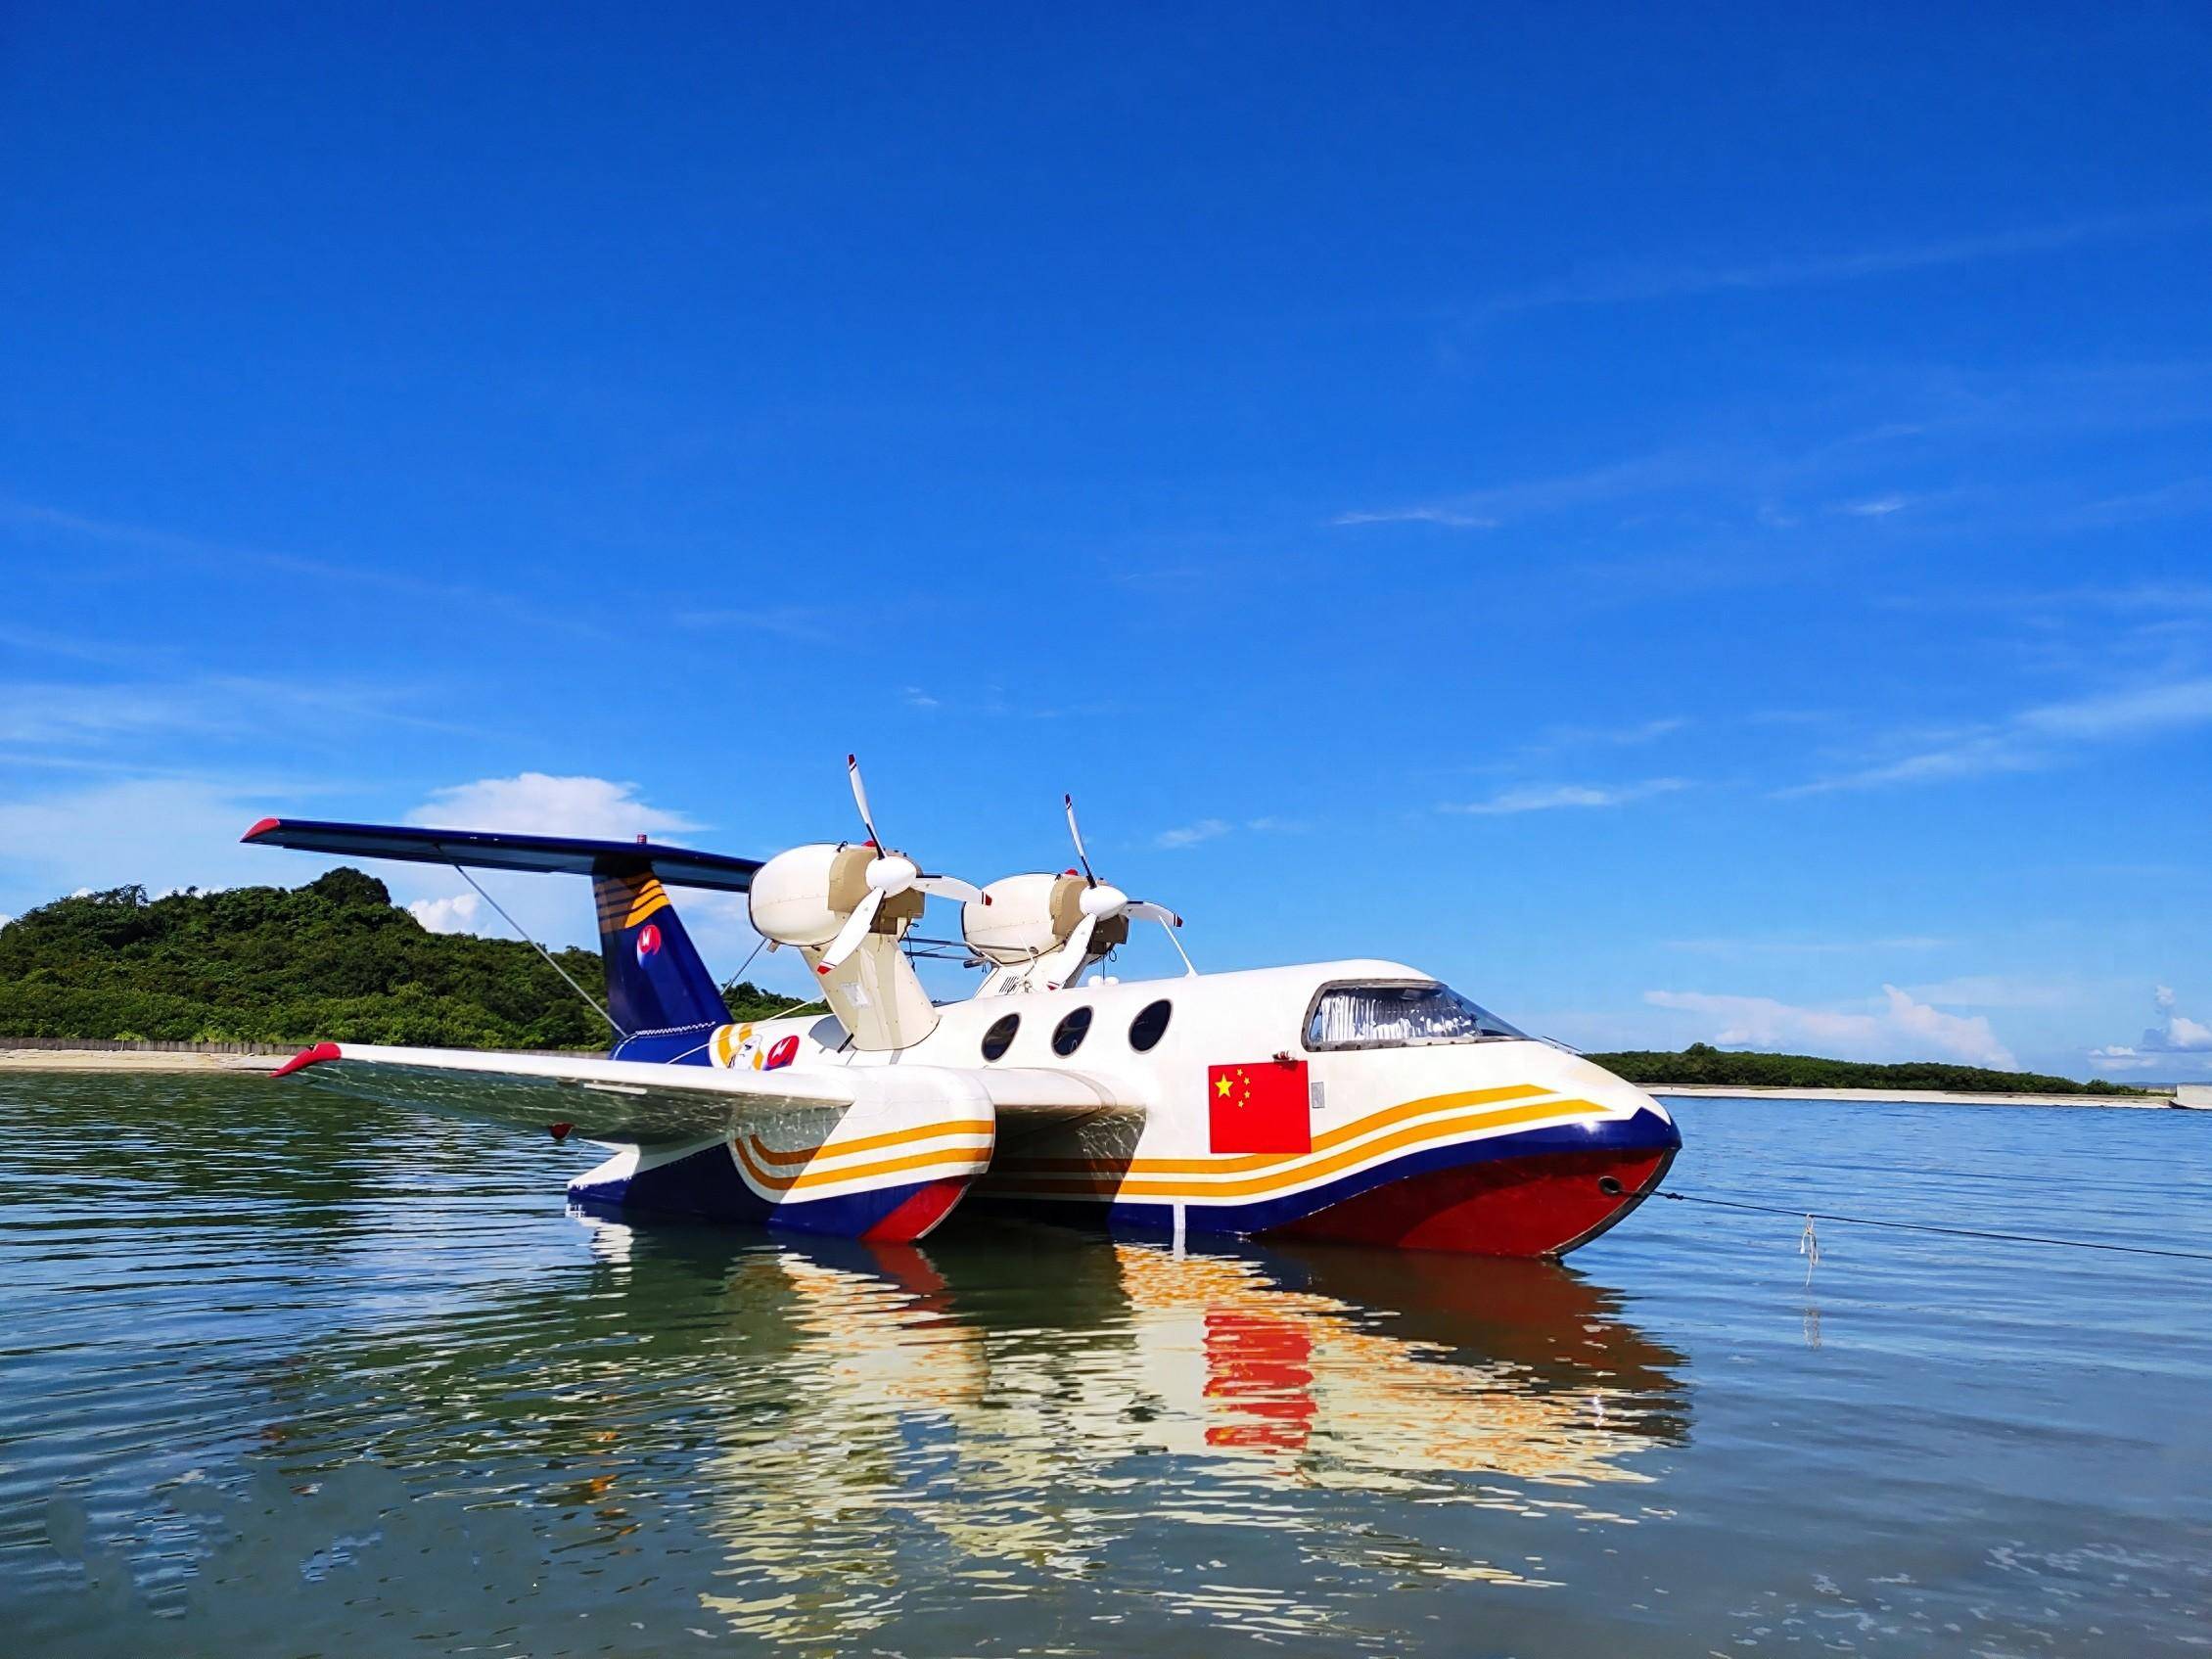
{"x":1149,"y":1027}
{"x":1068,"y":1035}
{"x":1000,"y":1037}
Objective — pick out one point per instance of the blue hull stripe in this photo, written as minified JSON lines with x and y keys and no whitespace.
{"x":707,"y":1185}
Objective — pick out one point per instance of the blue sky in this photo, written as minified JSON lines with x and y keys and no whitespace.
{"x":1691,"y":528}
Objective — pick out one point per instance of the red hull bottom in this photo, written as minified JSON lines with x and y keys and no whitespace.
{"x":918,"y":1213}
{"x":1546,"y":1204}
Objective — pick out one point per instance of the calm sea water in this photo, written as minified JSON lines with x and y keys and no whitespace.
{"x":286,"y":1375}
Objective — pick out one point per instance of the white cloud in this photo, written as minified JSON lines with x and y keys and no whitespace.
{"x":2186,"y":1035}
{"x":537,"y":803}
{"x":5,"y":920}
{"x":2173,"y":1033}
{"x":1879,"y":507}
{"x":914,"y":697}
{"x":1541,"y":798}
{"x":1894,"y":1028}
{"x":1190,"y":835}
{"x":457,"y":914}
{"x":1269,"y":825}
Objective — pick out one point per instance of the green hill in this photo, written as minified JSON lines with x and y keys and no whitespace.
{"x":333,"y":960}
{"x":1701,"y":1064}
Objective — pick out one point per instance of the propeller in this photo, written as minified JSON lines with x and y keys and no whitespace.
{"x":1101,"y":899}
{"x":889,"y":875}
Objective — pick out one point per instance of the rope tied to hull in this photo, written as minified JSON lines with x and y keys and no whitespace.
{"x":1808,"y":1244}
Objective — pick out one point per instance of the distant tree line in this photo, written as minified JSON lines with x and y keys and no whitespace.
{"x":335,"y":960}
{"x":1701,"y":1063}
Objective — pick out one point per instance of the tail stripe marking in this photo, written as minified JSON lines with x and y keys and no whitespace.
{"x":626,"y":902}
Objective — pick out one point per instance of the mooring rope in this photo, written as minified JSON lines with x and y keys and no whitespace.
{"x":1811,"y":1216}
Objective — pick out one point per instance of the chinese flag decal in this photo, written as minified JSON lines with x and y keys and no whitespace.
{"x":1258,"y":1107}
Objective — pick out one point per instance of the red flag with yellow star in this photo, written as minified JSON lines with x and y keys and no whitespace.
{"x":1258,"y":1107}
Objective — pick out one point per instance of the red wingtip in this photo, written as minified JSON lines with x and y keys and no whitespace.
{"x":307,"y":1057}
{"x":262,"y":828}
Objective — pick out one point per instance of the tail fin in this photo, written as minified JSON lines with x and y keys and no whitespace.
{"x":656,"y":981}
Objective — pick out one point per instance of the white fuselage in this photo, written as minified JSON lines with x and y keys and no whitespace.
{"x":1374,"y":1099}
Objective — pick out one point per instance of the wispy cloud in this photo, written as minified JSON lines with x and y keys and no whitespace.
{"x":1893,"y":1027}
{"x":1448,"y":517}
{"x":1631,"y":284}
{"x":1875,"y":507}
{"x":803,"y":624}
{"x":65,"y":713}
{"x":2036,"y":739}
{"x":1633,"y":734}
{"x":1805,"y":947}
{"x":1496,"y":504}
{"x":914,"y":697}
{"x":1545,"y":797}
{"x":1190,"y":835}
{"x":33,"y":520}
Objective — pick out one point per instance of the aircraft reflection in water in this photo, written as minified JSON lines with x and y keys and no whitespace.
{"x":1202,"y":1387}
{"x":866,"y":1431}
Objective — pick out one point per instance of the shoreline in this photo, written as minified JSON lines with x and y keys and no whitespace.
{"x":1908,"y":1096}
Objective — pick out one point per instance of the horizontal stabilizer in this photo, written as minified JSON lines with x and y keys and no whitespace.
{"x":494,"y":849}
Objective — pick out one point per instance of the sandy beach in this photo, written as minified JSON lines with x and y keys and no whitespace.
{"x":132,"y":1060}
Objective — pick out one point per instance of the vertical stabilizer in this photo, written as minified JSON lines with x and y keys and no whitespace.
{"x":656,"y":981}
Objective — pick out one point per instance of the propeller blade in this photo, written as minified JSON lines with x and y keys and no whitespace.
{"x":854,"y":930}
{"x":1152,"y":912}
{"x":860,"y":798}
{"x":948,"y":887}
{"x":1079,"y":941}
{"x":1081,"y":858}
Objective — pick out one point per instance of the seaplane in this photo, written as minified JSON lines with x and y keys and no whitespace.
{"x":1358,"y":1101}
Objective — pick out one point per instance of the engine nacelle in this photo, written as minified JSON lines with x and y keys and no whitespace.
{"x":1021,"y":918}
{"x":803,"y":895}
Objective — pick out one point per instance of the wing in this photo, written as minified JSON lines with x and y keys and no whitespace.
{"x":624,"y":1101}
{"x":495,"y":850}
{"x":1051,"y":1120}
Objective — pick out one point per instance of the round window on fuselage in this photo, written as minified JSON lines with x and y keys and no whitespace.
{"x":1000,"y":1037}
{"x":1150,"y":1026}
{"x":1068,"y":1035}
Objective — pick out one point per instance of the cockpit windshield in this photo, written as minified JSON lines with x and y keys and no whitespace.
{"x":1399,"y":1014}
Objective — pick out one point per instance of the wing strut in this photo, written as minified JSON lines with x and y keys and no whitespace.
{"x":590,"y":1001}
